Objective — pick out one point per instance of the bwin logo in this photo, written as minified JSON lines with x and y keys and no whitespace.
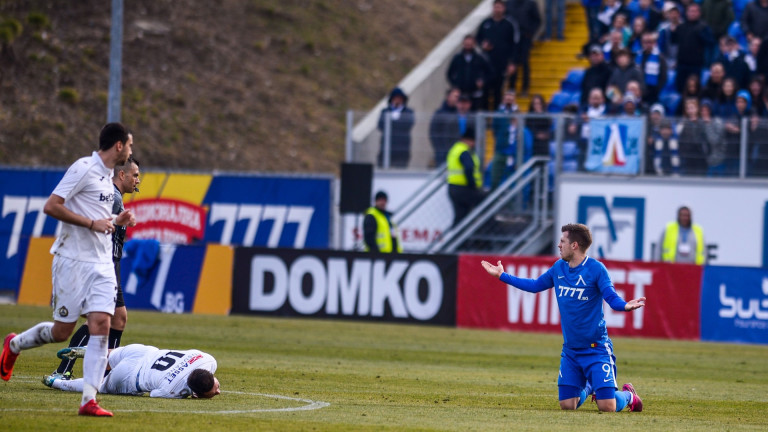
{"x":107,"y":197}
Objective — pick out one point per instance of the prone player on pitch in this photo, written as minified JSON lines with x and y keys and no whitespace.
{"x":137,"y":369}
{"x":587,"y":362}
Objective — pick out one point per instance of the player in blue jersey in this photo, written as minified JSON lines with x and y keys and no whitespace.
{"x":587,"y":363}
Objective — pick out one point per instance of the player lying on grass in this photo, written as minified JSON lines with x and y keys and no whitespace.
{"x":137,"y":369}
{"x":587,"y":363}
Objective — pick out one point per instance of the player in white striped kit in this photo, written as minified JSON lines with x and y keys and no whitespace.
{"x":137,"y":369}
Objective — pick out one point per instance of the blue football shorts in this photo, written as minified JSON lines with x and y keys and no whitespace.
{"x":596,"y":364}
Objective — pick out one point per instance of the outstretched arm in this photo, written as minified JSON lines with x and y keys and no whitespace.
{"x":530,"y":285}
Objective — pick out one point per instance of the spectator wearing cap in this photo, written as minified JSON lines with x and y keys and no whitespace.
{"x":754,"y":19}
{"x":380,"y":233}
{"x":470,"y":72}
{"x":718,"y":14}
{"x":655,"y":116}
{"x":733,"y":61}
{"x":694,"y":39}
{"x":624,"y":72}
{"x":597,"y":74}
{"x":464,"y":176}
{"x":629,"y":105}
{"x":666,"y":157}
{"x":668,"y":44}
{"x":401,"y":120}
{"x":653,"y":66}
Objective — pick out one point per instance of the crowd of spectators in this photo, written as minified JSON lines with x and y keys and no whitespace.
{"x":696,"y":69}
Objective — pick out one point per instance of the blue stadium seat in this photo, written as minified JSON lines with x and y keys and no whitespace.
{"x":559,"y":100}
{"x":572,"y":81}
{"x":670,"y":100}
{"x":575,"y":98}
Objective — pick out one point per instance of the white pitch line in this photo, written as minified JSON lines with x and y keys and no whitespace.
{"x":311,"y":405}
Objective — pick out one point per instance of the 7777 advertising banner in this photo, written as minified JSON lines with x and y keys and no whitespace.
{"x":672,"y":290}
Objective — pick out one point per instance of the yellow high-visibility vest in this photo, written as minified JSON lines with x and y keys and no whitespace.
{"x":669,"y":245}
{"x":456,"y":169}
{"x":384,"y":232}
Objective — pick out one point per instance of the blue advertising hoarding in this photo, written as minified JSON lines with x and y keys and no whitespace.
{"x":734,"y":304}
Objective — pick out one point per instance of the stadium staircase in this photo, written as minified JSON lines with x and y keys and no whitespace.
{"x":515,"y":218}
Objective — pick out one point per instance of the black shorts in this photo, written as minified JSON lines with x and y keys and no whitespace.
{"x":119,"y":300}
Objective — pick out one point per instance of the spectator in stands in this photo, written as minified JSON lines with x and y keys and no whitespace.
{"x":505,"y":135}
{"x":401,"y":122}
{"x":666,"y":159}
{"x":653,"y":66}
{"x":606,"y":14}
{"x":596,"y":108}
{"x":754,"y":19}
{"x":695,"y":38}
{"x":750,"y":57}
{"x":444,"y":126}
{"x":634,"y":89}
{"x":621,"y":25}
{"x":646,"y":10}
{"x":714,"y":85}
{"x":718,"y":14}
{"x":625,"y":71}
{"x":731,"y":151}
{"x":614,"y":45}
{"x":756,"y":91}
{"x":714,"y":136}
{"x":726,"y":103}
{"x":597,"y":74}
{"x":635,"y":44}
{"x":629,"y":106}
{"x":693,"y":148}
{"x":541,"y":128}
{"x":498,"y":37}
{"x":682,"y":241}
{"x":464,"y":176}
{"x":652,"y":130}
{"x":692,"y":90}
{"x":733,"y":61}
{"x":464,"y":115}
{"x":668,"y":43}
{"x":758,"y":146}
{"x":380,"y":233}
{"x":470,"y":72}
{"x":527,"y":15}
{"x":555,"y":10}
{"x":592,"y":8}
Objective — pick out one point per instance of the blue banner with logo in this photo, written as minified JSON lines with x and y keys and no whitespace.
{"x":734,"y":304}
{"x":614,"y":145}
{"x":291,"y":212}
{"x":23,"y":194}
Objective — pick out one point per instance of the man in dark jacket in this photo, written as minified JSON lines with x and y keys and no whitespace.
{"x":470,"y":72}
{"x":401,"y":122}
{"x":526,"y":13}
{"x":498,"y":36}
{"x":444,"y":126}
{"x":596,"y":75}
{"x":694,"y":39}
{"x":733,"y":62}
{"x":754,"y":19}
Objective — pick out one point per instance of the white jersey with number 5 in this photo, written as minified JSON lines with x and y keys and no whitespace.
{"x":165,"y":372}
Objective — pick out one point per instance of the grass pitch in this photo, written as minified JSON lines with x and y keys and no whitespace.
{"x":279,"y":374}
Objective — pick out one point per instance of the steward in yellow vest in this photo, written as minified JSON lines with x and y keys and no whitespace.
{"x":463,"y":176}
{"x":683,"y":241}
{"x":380,"y":234}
